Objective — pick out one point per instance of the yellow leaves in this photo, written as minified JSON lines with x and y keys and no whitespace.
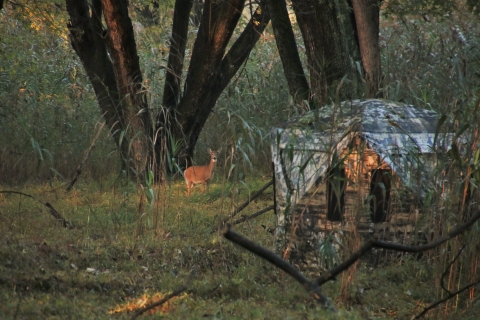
{"x":146,"y":299}
{"x":35,"y":26}
{"x":46,"y":17}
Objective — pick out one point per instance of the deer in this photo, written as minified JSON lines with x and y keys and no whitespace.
{"x":201,"y":174}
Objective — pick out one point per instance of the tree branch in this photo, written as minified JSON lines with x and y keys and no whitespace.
{"x":176,"y":57}
{"x":287,"y":48}
{"x":243,"y":205}
{"x":448,"y":268}
{"x":433,"y":244}
{"x":271,"y":257}
{"x":331,"y":274}
{"x":168,"y":297}
{"x":85,"y":158}
{"x":374,"y":243}
{"x":451,"y":295}
{"x":52,"y":210}
{"x":252,"y":216}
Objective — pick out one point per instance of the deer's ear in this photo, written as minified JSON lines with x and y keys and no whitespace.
{"x":219,"y":150}
{"x":209,"y":150}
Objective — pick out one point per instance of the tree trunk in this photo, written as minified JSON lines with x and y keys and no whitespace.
{"x":136,"y":115}
{"x":86,"y":38}
{"x":287,"y":48}
{"x":171,"y":91}
{"x":329,"y":36}
{"x":165,"y":148}
{"x":117,"y":84}
{"x":210,"y":69}
{"x":367,"y":18}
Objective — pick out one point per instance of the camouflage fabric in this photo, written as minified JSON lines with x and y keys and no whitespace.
{"x":303,"y":148}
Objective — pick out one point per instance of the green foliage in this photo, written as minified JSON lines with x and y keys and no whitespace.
{"x":48,"y":110}
{"x":48,"y":116}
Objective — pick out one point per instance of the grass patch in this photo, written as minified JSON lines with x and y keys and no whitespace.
{"x":112,"y":259}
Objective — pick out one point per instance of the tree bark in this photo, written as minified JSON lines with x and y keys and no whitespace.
{"x":136,"y":116}
{"x":330,"y":41}
{"x":171,"y":91}
{"x":210,"y":69}
{"x":287,"y":48}
{"x":367,"y":15}
{"x":86,"y":38}
{"x":117,"y":83}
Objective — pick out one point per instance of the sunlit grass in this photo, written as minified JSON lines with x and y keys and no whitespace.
{"x":105,"y":264}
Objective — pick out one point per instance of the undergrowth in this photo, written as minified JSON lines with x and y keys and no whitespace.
{"x":106,"y":262}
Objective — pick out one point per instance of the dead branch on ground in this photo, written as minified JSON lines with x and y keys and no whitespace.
{"x":271,"y":257}
{"x":168,"y":297}
{"x":51,"y":209}
{"x":242,"y":206}
{"x":451,"y":295}
{"x":252,"y":216}
{"x":375,"y":243}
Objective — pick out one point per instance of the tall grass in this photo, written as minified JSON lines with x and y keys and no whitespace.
{"x":49,"y":115}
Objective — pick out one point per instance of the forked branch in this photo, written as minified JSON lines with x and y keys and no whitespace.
{"x":451,"y":295}
{"x":252,"y":216}
{"x":243,"y":205}
{"x":271,"y":257}
{"x":375,"y":243}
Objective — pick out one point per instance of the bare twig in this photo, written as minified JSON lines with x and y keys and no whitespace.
{"x":52,"y":210}
{"x":451,"y":295}
{"x":252,"y":216}
{"x":85,"y":158}
{"x":168,"y":297}
{"x":331,"y":274}
{"x":433,"y":244}
{"x":271,"y":257}
{"x":448,"y":268}
{"x":243,"y":206}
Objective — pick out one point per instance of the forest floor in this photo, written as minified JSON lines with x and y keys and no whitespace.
{"x":121,"y":254}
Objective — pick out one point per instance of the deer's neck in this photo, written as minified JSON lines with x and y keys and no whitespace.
{"x":212,"y":165}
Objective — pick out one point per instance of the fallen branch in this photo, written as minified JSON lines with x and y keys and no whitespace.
{"x":85,"y":158}
{"x":252,"y":216}
{"x":332,"y":274}
{"x":375,"y":243}
{"x":52,"y":210}
{"x":168,"y":297}
{"x":242,"y":206}
{"x":451,"y":295}
{"x":271,"y":257}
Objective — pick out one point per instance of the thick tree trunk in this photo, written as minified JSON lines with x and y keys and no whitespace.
{"x":218,"y":22}
{"x":86,"y":38}
{"x":123,"y":50}
{"x":117,"y":84}
{"x":367,"y":18}
{"x":329,"y":35}
{"x":210,"y":69}
{"x":287,"y":48}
